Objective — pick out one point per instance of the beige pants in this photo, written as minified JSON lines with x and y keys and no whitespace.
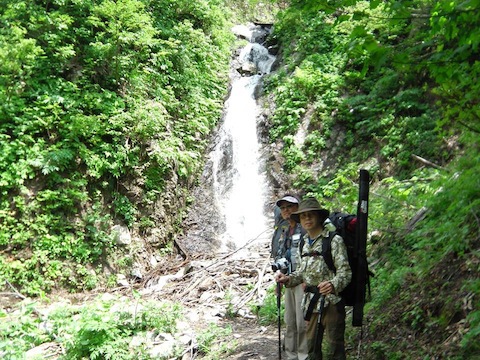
{"x":296,"y":347}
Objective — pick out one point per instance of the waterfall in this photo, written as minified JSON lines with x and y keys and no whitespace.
{"x":229,"y":204}
{"x":239,"y":183}
{"x":240,"y":197}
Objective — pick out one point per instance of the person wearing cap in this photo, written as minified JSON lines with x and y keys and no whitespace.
{"x":312,"y":271}
{"x":286,"y":242}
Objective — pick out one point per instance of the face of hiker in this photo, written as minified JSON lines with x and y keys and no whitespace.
{"x":287,"y":209}
{"x":310,"y":221}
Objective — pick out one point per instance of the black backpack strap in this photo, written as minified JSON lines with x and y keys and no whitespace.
{"x":302,"y":241}
{"x":327,"y":250}
{"x":313,"y":302}
{"x":312,"y":253}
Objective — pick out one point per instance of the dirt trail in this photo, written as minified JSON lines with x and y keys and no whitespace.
{"x":221,"y":288}
{"x":218,"y":289}
{"x":254,"y":341}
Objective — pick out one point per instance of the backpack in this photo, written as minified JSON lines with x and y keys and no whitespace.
{"x":346,"y":227}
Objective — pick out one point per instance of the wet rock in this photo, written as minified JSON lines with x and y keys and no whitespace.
{"x":248,"y":68}
{"x":121,"y":235}
{"x":122,"y":280}
{"x":50,"y":350}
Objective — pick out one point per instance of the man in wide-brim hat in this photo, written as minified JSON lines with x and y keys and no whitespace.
{"x":309,"y":204}
{"x":314,"y":273}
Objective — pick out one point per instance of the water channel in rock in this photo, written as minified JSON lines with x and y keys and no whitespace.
{"x":230,"y":202}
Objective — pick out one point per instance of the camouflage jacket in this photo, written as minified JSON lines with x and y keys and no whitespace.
{"x":312,"y":270}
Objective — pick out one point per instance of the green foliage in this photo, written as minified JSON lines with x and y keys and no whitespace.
{"x":380,"y":86}
{"x":469,"y":342}
{"x":341,"y":190}
{"x":292,"y":154}
{"x":101,"y":330}
{"x":395,"y":202}
{"x":389,"y":280}
{"x":288,"y":114}
{"x":215,"y":341}
{"x":124,"y":208}
{"x":386,"y":109}
{"x":162,"y":318}
{"x":230,"y":312}
{"x":18,"y":336}
{"x":267,"y":313}
{"x":316,"y":36}
{"x":104,"y":331}
{"x":454,"y":33}
{"x":93,"y":95}
{"x":314,"y":143}
{"x":244,"y":11}
{"x":457,"y":202}
{"x":448,"y":231}
{"x":381,"y":76}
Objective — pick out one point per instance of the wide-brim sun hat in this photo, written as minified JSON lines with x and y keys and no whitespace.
{"x":309,"y":204}
{"x":289,"y":199}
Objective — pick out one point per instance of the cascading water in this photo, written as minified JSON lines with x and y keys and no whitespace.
{"x":239,"y":184}
{"x":229,"y":206}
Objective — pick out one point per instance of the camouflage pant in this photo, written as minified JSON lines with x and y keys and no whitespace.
{"x":333,"y":326}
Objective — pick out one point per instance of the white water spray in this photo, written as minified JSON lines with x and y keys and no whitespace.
{"x":240,"y":186}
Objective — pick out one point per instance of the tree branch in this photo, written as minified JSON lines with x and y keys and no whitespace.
{"x":426,"y":162}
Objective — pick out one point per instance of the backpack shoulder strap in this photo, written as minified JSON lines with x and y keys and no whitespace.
{"x":302,"y":240}
{"x":327,"y":250}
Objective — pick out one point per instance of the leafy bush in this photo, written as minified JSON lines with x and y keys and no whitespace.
{"x":93,"y":95}
{"x":19,"y":335}
{"x":101,"y":330}
{"x":212,"y":344}
{"x":268,"y":312}
{"x":456,"y":202}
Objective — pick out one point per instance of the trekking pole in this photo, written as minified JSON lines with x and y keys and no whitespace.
{"x":279,"y":293}
{"x":319,"y":319}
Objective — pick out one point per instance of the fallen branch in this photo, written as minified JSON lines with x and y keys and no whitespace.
{"x":251,"y":293}
{"x":15,"y":290}
{"x":426,"y":162}
{"x":221,"y":260}
{"x":9,"y":294}
{"x":262,"y":275}
{"x":469,"y":127}
{"x":191,"y":287}
{"x":419,"y":216}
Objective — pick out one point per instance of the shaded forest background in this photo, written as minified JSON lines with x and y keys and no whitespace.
{"x":106,"y":108}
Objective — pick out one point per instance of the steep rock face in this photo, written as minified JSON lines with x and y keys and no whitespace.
{"x":184,"y":214}
{"x":202,"y":221}
{"x":280,"y":181}
{"x":146,"y":244}
{"x":326,"y":162}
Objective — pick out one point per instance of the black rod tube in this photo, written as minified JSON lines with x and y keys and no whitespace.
{"x":361,"y":243}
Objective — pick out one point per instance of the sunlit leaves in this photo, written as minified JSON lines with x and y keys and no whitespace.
{"x":95,"y":94}
{"x":18,"y":55}
{"x":409,"y":88}
{"x":455,"y":30}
